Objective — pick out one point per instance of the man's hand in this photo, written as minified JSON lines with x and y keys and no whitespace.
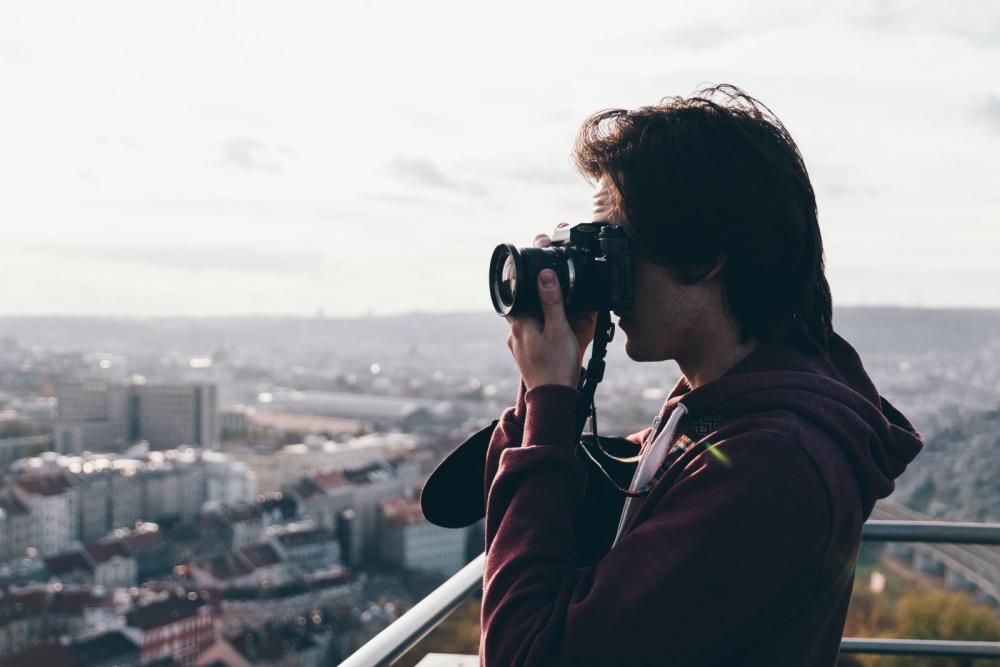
{"x":546,"y":351}
{"x":582,"y":324}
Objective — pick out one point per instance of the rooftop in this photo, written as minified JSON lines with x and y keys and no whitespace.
{"x":102,"y":552}
{"x":287,"y":421}
{"x":66,"y":563}
{"x":306,"y":488}
{"x":329,"y":479}
{"x":51,"y":484}
{"x":49,"y":655}
{"x":226,"y":566}
{"x":163,"y":612}
{"x":104,"y":648}
{"x":298,"y":538}
{"x":143,"y":540}
{"x":22,"y":603}
{"x":369,"y":473}
{"x":349,"y":405}
{"x":37,"y":600}
{"x":261,"y":555}
{"x":403,"y":511}
{"x":241,"y":513}
{"x":282,"y":503}
{"x":72,"y":602}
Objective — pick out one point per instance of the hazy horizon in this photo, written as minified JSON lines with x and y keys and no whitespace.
{"x":189,"y":160}
{"x":420,"y":313}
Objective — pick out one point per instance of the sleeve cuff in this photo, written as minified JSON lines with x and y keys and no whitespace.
{"x":550,"y":416}
{"x":519,"y":406}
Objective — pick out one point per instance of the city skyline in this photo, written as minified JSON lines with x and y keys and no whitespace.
{"x":191,"y":161}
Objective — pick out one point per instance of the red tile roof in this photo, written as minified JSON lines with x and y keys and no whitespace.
{"x":297,"y":538}
{"x":164,"y":612}
{"x":49,"y":655}
{"x":36,"y":602}
{"x":21,"y":604}
{"x":226,"y":566}
{"x":51,"y":484}
{"x":102,"y":552}
{"x":329,"y":479}
{"x":64,"y":564}
{"x":402,"y":511}
{"x":72,"y":602}
{"x":143,"y":541}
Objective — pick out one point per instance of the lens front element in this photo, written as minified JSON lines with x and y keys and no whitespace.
{"x":505,"y":269}
{"x":508,"y":281}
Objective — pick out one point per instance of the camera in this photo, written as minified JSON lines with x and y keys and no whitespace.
{"x":593,"y":261}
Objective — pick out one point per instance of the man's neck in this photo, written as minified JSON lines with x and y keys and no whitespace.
{"x":713,"y":357}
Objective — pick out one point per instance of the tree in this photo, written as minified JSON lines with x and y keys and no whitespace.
{"x":942,"y":615}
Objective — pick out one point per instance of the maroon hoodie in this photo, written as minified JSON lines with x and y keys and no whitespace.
{"x":742,"y":554}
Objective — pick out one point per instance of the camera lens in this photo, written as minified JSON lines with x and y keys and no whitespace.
{"x":594,"y":270}
{"x":505,"y":270}
{"x":508,"y":281}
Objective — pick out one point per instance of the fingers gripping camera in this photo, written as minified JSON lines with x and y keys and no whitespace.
{"x":593,"y":261}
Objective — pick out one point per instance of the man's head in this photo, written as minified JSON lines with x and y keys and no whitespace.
{"x":716,"y":198}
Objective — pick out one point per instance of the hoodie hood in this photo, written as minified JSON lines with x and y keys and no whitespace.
{"x":830,"y":389}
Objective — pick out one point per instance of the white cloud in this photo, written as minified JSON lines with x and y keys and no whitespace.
{"x":398,"y":142}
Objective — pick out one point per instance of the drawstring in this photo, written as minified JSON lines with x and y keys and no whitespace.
{"x":651,"y":460}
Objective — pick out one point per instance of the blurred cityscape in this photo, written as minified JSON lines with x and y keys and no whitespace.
{"x":246,"y":491}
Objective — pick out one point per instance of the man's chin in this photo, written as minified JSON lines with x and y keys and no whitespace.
{"x":636,"y":351}
{"x":633,"y":350}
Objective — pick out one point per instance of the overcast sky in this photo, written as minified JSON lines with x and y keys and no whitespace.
{"x":221,"y":158}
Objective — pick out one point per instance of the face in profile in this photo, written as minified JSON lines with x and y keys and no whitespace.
{"x":665,"y":312}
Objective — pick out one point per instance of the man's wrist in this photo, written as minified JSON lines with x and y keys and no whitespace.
{"x":550,"y":417}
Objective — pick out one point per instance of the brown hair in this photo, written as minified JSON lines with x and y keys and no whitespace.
{"x":717,"y":175}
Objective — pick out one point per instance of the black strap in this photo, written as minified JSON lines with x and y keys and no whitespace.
{"x":693,"y":432}
{"x":604,"y":332}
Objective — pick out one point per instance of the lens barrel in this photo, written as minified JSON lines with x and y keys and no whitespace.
{"x":514,"y":276}
{"x":594,"y":270}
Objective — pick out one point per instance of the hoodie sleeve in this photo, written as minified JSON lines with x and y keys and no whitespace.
{"x":507,"y":434}
{"x":510,"y":428}
{"x":726,"y":554}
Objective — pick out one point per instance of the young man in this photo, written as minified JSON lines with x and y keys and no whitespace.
{"x":766,"y":458}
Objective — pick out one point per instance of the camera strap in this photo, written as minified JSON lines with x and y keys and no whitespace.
{"x":604,"y":332}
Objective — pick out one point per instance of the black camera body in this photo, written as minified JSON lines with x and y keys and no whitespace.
{"x":593,"y":261}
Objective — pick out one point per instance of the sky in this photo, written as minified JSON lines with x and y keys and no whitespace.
{"x":259,"y":158}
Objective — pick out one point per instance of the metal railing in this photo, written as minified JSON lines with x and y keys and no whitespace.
{"x":411,"y":627}
{"x":408,"y":629}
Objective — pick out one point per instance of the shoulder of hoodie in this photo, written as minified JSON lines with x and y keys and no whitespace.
{"x":781,"y":448}
{"x":753,"y":473}
{"x":775,"y":445}
{"x":767,"y":478}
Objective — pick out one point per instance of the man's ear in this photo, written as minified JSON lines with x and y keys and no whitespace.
{"x":716,"y":269}
{"x":711,"y":271}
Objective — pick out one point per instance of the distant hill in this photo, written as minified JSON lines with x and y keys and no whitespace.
{"x":873,"y":330}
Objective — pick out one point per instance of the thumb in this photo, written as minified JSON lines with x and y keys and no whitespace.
{"x":550,"y":296}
